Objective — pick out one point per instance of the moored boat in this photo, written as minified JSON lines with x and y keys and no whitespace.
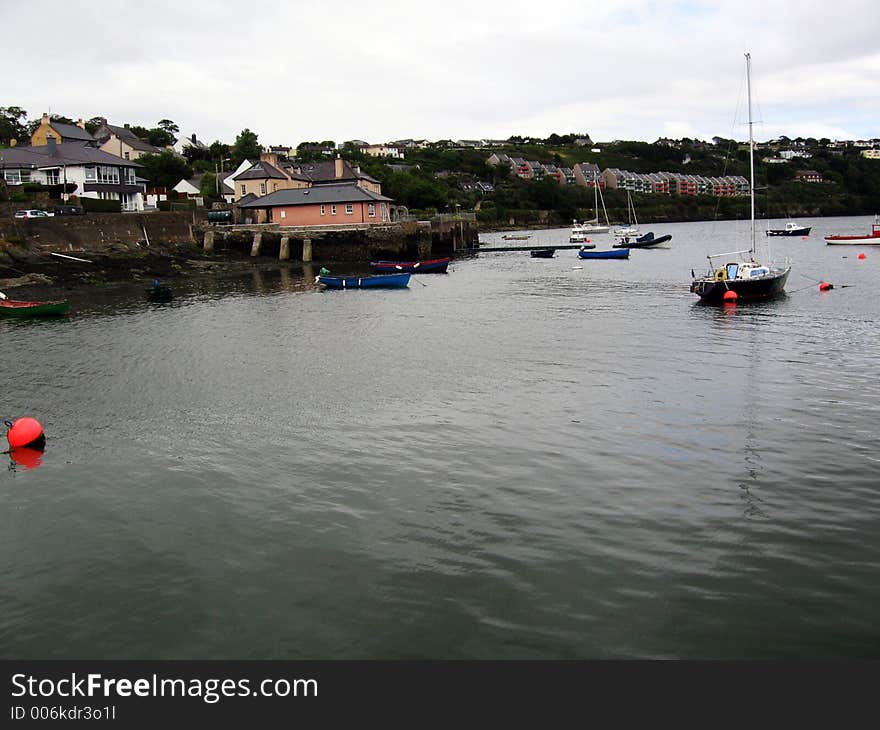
{"x":543,"y":253}
{"x":618,"y":253}
{"x":383,"y":281}
{"x":22,"y":308}
{"x":649,"y":240}
{"x":791,"y":229}
{"x":431,"y":266}
{"x":873,"y":239}
{"x":522,"y":237}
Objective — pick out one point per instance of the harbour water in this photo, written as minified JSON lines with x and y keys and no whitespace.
{"x":523,"y":458}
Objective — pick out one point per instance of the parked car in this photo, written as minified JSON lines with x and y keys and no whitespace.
{"x":69,"y":210}
{"x":32,"y":214}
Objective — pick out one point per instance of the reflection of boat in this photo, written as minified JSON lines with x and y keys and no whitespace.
{"x":740,"y":278}
{"x":432,"y":266}
{"x":20,"y":308}
{"x":870,"y":240}
{"x":384,"y":281}
{"x":517,"y":237}
{"x":791,"y":229}
{"x":618,"y":253}
{"x":543,"y":253}
{"x":646,"y":241}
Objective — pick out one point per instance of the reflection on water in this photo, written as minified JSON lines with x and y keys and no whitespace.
{"x":518,"y":459}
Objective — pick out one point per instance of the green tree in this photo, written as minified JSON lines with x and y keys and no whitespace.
{"x":246,"y":146}
{"x":160,"y":137}
{"x":165,"y":169}
{"x":11,"y":124}
{"x":208,"y":188}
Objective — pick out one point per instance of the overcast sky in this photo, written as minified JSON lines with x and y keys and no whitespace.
{"x":378,"y":71}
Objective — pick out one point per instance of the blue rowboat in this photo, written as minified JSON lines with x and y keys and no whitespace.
{"x":386,"y":281}
{"x":617,"y":253}
{"x":432,"y":266}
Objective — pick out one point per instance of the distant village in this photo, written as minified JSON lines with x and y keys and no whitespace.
{"x":272,"y":185}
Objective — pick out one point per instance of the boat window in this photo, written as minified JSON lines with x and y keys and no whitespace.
{"x":759,"y":272}
{"x":732,"y":270}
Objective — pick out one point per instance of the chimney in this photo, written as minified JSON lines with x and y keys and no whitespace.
{"x":126,"y":125}
{"x":45,"y":119}
{"x":52,"y":147}
{"x":80,"y":123}
{"x":193,"y":138}
{"x":339,"y":167}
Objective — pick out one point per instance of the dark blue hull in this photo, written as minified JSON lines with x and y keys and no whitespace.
{"x":619,"y":253}
{"x":383,"y":281}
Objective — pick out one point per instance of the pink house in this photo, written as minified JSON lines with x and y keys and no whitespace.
{"x":323,"y":205}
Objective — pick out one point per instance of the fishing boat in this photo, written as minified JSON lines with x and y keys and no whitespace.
{"x":738,"y":276}
{"x":543,"y":253}
{"x":432,"y":266}
{"x":649,"y":240}
{"x":791,"y":229}
{"x":378,"y":281}
{"x":617,"y":253}
{"x":873,"y":239}
{"x":21,"y":308}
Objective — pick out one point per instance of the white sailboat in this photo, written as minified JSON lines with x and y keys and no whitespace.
{"x":741,"y":277}
{"x":631,"y":230}
{"x":581,"y":231}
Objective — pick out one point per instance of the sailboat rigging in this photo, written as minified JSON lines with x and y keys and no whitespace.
{"x":581,"y":231}
{"x":741,"y":277}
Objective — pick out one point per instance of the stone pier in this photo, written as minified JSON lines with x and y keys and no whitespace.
{"x":209,"y":241}
{"x":307,"y":250}
{"x":284,"y":251}
{"x":255,"y":247}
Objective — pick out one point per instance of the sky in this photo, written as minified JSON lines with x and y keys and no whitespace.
{"x":298,"y":70}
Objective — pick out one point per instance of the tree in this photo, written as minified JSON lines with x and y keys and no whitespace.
{"x":160,"y":137}
{"x":11,"y":126}
{"x":246,"y":146}
{"x":165,"y":169}
{"x":208,"y":188}
{"x":93,"y":124}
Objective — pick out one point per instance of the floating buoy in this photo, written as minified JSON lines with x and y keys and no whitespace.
{"x":861,"y":256}
{"x":589,"y":241}
{"x":25,"y":432}
{"x":825,"y":286}
{"x":730,"y":296}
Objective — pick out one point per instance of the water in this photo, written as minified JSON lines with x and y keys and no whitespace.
{"x":519,"y":459}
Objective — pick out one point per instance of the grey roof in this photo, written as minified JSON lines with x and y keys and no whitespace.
{"x":326,"y":194}
{"x":260,"y":171}
{"x":71,"y":131}
{"x":66,"y":153}
{"x":325,"y":172}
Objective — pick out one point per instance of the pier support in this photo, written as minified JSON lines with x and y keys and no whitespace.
{"x":284,"y":251}
{"x":307,"y":250}
{"x":255,"y":247}
{"x":209,"y":241}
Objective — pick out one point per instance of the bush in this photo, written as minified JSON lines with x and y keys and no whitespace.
{"x":95,"y":205}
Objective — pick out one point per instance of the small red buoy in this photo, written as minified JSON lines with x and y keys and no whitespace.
{"x":25,"y":432}
{"x":730,"y":296}
{"x":825,"y":286}
{"x":589,"y":241}
{"x":861,"y":257}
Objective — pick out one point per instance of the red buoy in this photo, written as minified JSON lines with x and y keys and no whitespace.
{"x":730,"y":296}
{"x":588,"y":241}
{"x":25,"y":432}
{"x":861,"y":256}
{"x":825,"y":286}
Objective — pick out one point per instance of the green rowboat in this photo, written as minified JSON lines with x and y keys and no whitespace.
{"x":14,"y":308}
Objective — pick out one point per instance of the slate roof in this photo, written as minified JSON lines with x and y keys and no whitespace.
{"x":71,"y":132}
{"x":320,"y":194}
{"x":66,"y":153}
{"x":262,"y":170}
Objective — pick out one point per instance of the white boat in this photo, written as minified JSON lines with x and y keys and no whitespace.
{"x":631,"y":230}
{"x":737,"y":275}
{"x":870,"y":240}
{"x":580,"y":232}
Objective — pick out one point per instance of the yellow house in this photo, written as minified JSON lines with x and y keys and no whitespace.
{"x":61,"y":132}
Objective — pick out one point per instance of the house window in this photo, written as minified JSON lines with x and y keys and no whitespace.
{"x":127,"y":155}
{"x":13,"y":177}
{"x":384,"y":212}
{"x":108,"y":175}
{"x":349,"y":209}
{"x":323,"y":209}
{"x":284,"y":214}
{"x":333,"y":209}
{"x":371,"y":210}
{"x":53,"y":177}
{"x":91,"y":175}
{"x":243,"y":190}
{"x":262,"y":188}
{"x":128,"y":175}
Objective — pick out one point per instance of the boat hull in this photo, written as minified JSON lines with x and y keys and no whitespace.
{"x":852,"y":240}
{"x":381,"y":281}
{"x":433,"y":266}
{"x":644,"y":242}
{"x":804,"y":231}
{"x":712,"y":291}
{"x":543,"y":253}
{"x":13,"y":308}
{"x":619,"y":253}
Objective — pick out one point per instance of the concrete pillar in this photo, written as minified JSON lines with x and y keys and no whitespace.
{"x":209,"y":241}
{"x":307,"y":250}
{"x":284,"y":252}
{"x":255,"y":247}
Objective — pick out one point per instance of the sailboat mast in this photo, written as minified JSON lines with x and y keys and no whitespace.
{"x":751,"y":148}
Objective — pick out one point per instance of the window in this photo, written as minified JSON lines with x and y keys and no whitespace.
{"x":384,"y":213}
{"x":128,"y":176}
{"x":53,"y":177}
{"x":108,"y":175}
{"x":333,"y":209}
{"x":262,"y":188}
{"x":13,"y":177}
{"x":284,"y":214}
{"x":323,"y":209}
{"x":349,"y":209}
{"x":371,"y":210}
{"x":91,"y":175}
{"x":128,"y":155}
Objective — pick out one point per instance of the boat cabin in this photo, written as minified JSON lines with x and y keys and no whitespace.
{"x":741,"y":270}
